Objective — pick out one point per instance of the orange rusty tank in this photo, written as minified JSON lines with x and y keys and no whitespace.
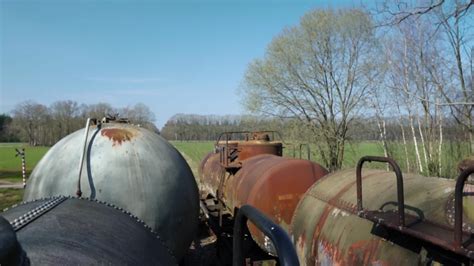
{"x":252,"y":171}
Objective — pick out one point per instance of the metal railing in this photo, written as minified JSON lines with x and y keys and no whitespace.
{"x":458,"y":210}
{"x":398,"y":173}
{"x":281,"y":241}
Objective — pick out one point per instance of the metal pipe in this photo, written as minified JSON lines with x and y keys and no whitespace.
{"x":86,"y":133}
{"x":398,"y":174}
{"x":284,"y":248}
{"x":458,"y":204}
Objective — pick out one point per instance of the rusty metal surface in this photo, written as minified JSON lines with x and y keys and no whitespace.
{"x":273,"y":185}
{"x":233,"y":152}
{"x":119,"y":135}
{"x":210,"y":174}
{"x":129,"y":167}
{"x":458,"y":208}
{"x":327,"y":230}
{"x":249,"y":149}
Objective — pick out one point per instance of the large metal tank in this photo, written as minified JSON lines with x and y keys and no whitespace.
{"x":253,"y":172}
{"x":327,"y":230}
{"x":73,"y":231}
{"x":130,"y":167}
{"x":272,"y":184}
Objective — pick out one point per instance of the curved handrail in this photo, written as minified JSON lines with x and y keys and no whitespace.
{"x":284,"y":248}
{"x":398,"y":173}
{"x":458,"y":211}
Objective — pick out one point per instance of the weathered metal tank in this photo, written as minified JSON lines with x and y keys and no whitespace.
{"x":253,"y":172}
{"x":332,"y":225}
{"x":74,"y":231}
{"x":130,"y":167}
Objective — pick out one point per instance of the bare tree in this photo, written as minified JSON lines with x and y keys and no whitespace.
{"x":456,"y":29}
{"x":453,"y":22}
{"x":29,"y":119}
{"x":97,"y":110}
{"x":400,"y":10}
{"x":313,"y":72}
{"x":64,"y":115}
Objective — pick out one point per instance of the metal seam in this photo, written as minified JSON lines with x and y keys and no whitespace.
{"x":55,"y":201}
{"x":33,"y":214}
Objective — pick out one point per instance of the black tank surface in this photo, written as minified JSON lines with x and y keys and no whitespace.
{"x":65,"y":231}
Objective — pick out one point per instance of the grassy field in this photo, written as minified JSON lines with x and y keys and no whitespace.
{"x":10,"y":165}
{"x":194,"y":152}
{"x":10,"y":170}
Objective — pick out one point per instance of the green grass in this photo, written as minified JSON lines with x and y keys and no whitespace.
{"x":453,"y":153}
{"x":194,"y":151}
{"x":10,"y":165}
{"x":10,"y":196}
{"x":352,"y":152}
{"x":10,"y":170}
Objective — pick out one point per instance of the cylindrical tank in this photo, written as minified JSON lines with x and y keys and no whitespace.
{"x":72,"y":231}
{"x":130,"y":167}
{"x":327,"y":230}
{"x":256,"y":174}
{"x":272,"y":184}
{"x":249,"y":149}
{"x":210,"y":173}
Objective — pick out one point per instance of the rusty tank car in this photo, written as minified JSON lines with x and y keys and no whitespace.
{"x":127,"y":166}
{"x":376,"y":217}
{"x":347,"y":217}
{"x":252,"y":171}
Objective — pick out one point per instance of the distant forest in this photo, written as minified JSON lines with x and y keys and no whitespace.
{"x":192,"y":127}
{"x":41,"y":125}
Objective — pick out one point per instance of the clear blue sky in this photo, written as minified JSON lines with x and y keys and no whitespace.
{"x":174,"y":56}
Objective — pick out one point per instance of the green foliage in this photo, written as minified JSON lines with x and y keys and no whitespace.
{"x":5,"y":132}
{"x":316,"y":72}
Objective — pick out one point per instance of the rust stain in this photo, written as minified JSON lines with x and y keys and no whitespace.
{"x":329,"y":254}
{"x":325,"y":214}
{"x":117,"y":135}
{"x":364,"y":251}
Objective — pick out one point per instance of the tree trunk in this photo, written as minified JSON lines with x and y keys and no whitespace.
{"x":415,"y":142}
{"x":440,"y":144}
{"x":425,"y":157}
{"x":405,"y":146}
{"x":383,"y":139}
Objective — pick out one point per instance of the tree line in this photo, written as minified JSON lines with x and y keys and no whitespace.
{"x":38,"y":124}
{"x":407,"y":68}
{"x":194,"y":127}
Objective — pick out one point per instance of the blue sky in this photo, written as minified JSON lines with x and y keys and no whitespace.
{"x":174,"y":56}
